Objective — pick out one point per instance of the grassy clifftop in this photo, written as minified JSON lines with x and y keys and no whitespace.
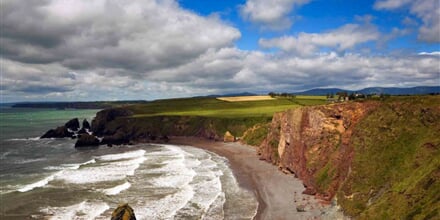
{"x":379,"y":158}
{"x":206,"y":117}
{"x":212,"y":107}
{"x":395,"y":173}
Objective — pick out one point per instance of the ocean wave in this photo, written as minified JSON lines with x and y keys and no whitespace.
{"x":25,"y":139}
{"x":83,"y":210}
{"x":177,"y":171}
{"x":105,"y":171}
{"x":5,"y":154}
{"x":71,"y":166}
{"x":45,"y":181}
{"x":117,"y":189}
{"x":24,"y":161}
{"x":121,"y":156}
{"x":166,"y":207}
{"x":39,"y":183}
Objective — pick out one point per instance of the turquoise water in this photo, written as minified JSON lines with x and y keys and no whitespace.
{"x":31,"y":123}
{"x":50,"y":179}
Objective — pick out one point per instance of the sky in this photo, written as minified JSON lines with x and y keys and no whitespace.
{"x":89,"y":50}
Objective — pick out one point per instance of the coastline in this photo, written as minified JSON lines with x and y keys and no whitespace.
{"x":279,"y":195}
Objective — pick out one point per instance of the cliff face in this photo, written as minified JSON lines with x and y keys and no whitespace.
{"x":119,"y":126}
{"x":381,"y":159}
{"x":313,"y":143}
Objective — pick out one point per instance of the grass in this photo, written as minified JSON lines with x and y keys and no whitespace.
{"x":396,"y":168}
{"x":211,"y":107}
{"x":256,"y":135}
{"x":208,"y":117}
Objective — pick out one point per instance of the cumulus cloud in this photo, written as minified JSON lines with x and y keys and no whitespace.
{"x":105,"y":42}
{"x":145,"y":49}
{"x":426,"y":10}
{"x":140,"y":35}
{"x":274,"y":15}
{"x":235,"y":70}
{"x":341,"y":39}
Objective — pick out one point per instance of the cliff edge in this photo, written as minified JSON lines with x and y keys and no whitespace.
{"x":380,"y":159}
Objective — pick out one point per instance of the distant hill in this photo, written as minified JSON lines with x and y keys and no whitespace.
{"x":75,"y":105}
{"x":419,"y":90}
{"x":227,"y":95}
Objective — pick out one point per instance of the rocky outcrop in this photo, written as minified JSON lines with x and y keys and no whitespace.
{"x":104,"y":117}
{"x":116,"y":139}
{"x":59,"y":132}
{"x":72,"y":124}
{"x":85,"y":127}
{"x":228,"y":137}
{"x":313,"y":143}
{"x":86,"y":140}
{"x":86,"y":124}
{"x":123,"y":212}
{"x":69,"y":129}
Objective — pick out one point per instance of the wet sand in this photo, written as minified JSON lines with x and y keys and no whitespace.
{"x":279,"y":195}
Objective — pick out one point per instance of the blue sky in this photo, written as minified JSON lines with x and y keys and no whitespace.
{"x":68,"y":50}
{"x":318,"y":16}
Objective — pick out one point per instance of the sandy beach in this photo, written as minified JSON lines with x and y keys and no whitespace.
{"x":279,"y":195}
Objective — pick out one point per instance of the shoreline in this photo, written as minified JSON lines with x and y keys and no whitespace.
{"x":279,"y":195}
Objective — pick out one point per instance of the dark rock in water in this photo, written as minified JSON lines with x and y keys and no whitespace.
{"x":87,"y":140}
{"x":117,"y":139}
{"x":85,"y":124}
{"x":82,"y":131}
{"x":123,"y":212}
{"x":73,"y":124}
{"x":59,"y":132}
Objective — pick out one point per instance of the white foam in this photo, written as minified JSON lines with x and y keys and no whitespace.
{"x":46,"y":180}
{"x":117,"y":189}
{"x":83,"y":210}
{"x":5,"y":154}
{"x":25,"y":139}
{"x":177,"y":170}
{"x":24,"y":161}
{"x":216,"y":210}
{"x":40,"y":183}
{"x":166,"y":207}
{"x":126,"y":155}
{"x":109,"y":171}
{"x":72,"y":166}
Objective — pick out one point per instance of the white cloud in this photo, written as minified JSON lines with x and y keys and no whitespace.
{"x":139,"y":35}
{"x":390,"y":4}
{"x":274,"y":15}
{"x":427,"y":10}
{"x":111,"y":49}
{"x":343,"y":38}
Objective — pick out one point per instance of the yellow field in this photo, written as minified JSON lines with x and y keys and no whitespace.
{"x":245,"y":98}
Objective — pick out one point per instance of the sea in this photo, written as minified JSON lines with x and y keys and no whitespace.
{"x":50,"y":179}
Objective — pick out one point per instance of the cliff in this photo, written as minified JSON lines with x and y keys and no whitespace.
{"x":313,"y":143}
{"x":379,"y":159}
{"x":119,"y":126}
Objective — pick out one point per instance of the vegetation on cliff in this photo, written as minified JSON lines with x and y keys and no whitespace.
{"x":204,"y":117}
{"x":381,"y":159}
{"x":395,"y":173}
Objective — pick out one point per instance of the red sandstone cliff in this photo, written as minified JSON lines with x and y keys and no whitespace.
{"x":313,"y":143}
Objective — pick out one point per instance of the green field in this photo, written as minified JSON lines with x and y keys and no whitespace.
{"x":211,"y":107}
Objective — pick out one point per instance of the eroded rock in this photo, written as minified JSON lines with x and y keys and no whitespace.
{"x":123,"y":212}
{"x":72,"y":124}
{"x":59,"y":132}
{"x":87,"y":140}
